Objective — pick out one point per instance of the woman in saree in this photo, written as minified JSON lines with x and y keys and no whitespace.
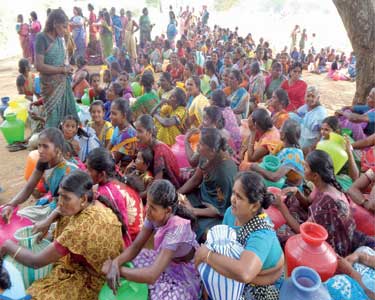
{"x":130,"y":28}
{"x":77,"y":23}
{"x":291,"y":157}
{"x":209,"y":190}
{"x":145,"y":28}
{"x":239,"y":97}
{"x":47,"y":176}
{"x":274,"y":80}
{"x":165,"y":163}
{"x":264,"y":139}
{"x":168,"y":269}
{"x":55,"y":71}
{"x":326,"y":205}
{"x":23,"y":34}
{"x":170,"y":119}
{"x":88,"y":232}
{"x":196,"y":102}
{"x":278,"y":104}
{"x":35,"y":28}
{"x":106,"y":35}
{"x":260,"y":264}
{"x":256,"y":83}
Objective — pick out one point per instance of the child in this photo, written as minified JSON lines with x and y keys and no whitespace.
{"x":127,"y":91}
{"x":25,"y":80}
{"x":101,"y":167}
{"x":83,"y":141}
{"x":115,"y":71}
{"x":80,"y":78}
{"x":114,"y":91}
{"x":113,"y":57}
{"x":103,"y":128}
{"x":168,"y":269}
{"x":11,"y":283}
{"x":138,"y":174}
{"x":71,"y":155}
{"x":95,"y":91}
{"x":124,"y":141}
{"x":106,"y":79}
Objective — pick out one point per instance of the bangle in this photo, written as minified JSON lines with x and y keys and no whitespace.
{"x":16,"y":253}
{"x":208,"y":256}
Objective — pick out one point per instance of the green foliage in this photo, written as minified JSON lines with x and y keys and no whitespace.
{"x":223,"y":5}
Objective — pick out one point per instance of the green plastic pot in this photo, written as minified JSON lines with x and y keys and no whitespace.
{"x":272,"y":163}
{"x":136,"y":88}
{"x":13,"y":129}
{"x":86,"y":98}
{"x":128,"y":290}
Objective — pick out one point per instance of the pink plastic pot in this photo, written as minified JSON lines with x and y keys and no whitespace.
{"x":16,"y":222}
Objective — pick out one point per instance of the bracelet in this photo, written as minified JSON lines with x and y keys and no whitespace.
{"x":16,"y":253}
{"x":208,"y":256}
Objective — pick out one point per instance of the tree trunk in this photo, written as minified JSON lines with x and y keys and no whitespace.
{"x":358,"y":17}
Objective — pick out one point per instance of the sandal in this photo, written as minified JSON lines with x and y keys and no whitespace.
{"x":16,"y":147}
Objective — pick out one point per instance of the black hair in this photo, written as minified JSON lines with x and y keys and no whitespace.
{"x":163,"y":193}
{"x":126,"y":74}
{"x":20,"y":17}
{"x":333,"y":122}
{"x":321,"y":163}
{"x":92,"y":75}
{"x":55,"y":136}
{"x":68,"y":148}
{"x":20,"y":81}
{"x":237,"y":75}
{"x":56,"y":16}
{"x":211,"y":66}
{"x":147,"y":122}
{"x":100,"y":159}
{"x":147,"y":81}
{"x":197,"y":81}
{"x":262,"y":119}
{"x":277,"y":64}
{"x":282,"y":97}
{"x":295,"y":65}
{"x":115,"y":66}
{"x":123,"y":106}
{"x":97,"y":103}
{"x":219,"y":98}
{"x":79,"y":10}
{"x":167,"y":76}
{"x":80,"y":184}
{"x":107,"y":17}
{"x":117,"y":89}
{"x":212,"y":138}
{"x":190,"y":66}
{"x":255,"y":66}
{"x":80,"y":61}
{"x":90,"y":6}
{"x":215,"y":115}
{"x":254,"y":188}
{"x":180,"y":95}
{"x":147,"y":156}
{"x":292,"y":131}
{"x":34,"y":15}
{"x":80,"y":131}
{"x":4,"y":277}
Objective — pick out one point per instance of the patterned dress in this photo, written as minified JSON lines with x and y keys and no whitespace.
{"x":180,"y":280}
{"x":86,"y":241}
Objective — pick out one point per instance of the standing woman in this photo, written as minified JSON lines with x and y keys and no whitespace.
{"x":106,"y":35}
{"x":55,"y":71}
{"x":35,"y":27}
{"x":23,"y":33}
{"x":130,"y":28}
{"x":93,"y":29}
{"x":172,"y":28}
{"x":77,"y":24}
{"x":145,"y":28}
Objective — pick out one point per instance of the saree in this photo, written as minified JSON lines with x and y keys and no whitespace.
{"x":279,"y":118}
{"x":35,"y":28}
{"x":106,"y":39}
{"x":130,"y":44}
{"x":144,"y":104}
{"x":257,"y":86}
{"x":86,"y":241}
{"x":168,"y":134}
{"x":105,"y":133}
{"x":296,"y":93}
{"x":125,"y":142}
{"x":272,"y":85}
{"x":144,"y":29}
{"x":23,"y":34}
{"x":232,"y":127}
{"x":79,"y":35}
{"x":180,"y":280}
{"x":56,"y":90}
{"x":196,"y":109}
{"x":293,"y":159}
{"x":236,"y":98}
{"x":117,"y":27}
{"x":215,"y":190}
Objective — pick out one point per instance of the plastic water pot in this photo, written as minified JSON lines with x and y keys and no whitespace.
{"x":128,"y":290}
{"x":272,"y":163}
{"x":13,"y":129}
{"x":335,"y":147}
{"x":304,"y":284}
{"x":275,"y":215}
{"x":86,"y":98}
{"x":178,"y":150}
{"x":4,"y":105}
{"x":19,"y":108}
{"x":364,"y":219}
{"x":310,"y":249}
{"x":31,"y":161}
{"x":136,"y":88}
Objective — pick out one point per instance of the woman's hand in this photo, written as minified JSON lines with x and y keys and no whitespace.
{"x":7,"y":212}
{"x":291,"y":189}
{"x":251,"y":124}
{"x":184,"y":201}
{"x":41,"y":228}
{"x":277,"y":203}
{"x":348,"y":145}
{"x":112,"y":271}
{"x":352,"y":258}
{"x":201,"y":255}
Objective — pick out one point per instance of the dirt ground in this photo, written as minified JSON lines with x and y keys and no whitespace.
{"x":334,"y":94}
